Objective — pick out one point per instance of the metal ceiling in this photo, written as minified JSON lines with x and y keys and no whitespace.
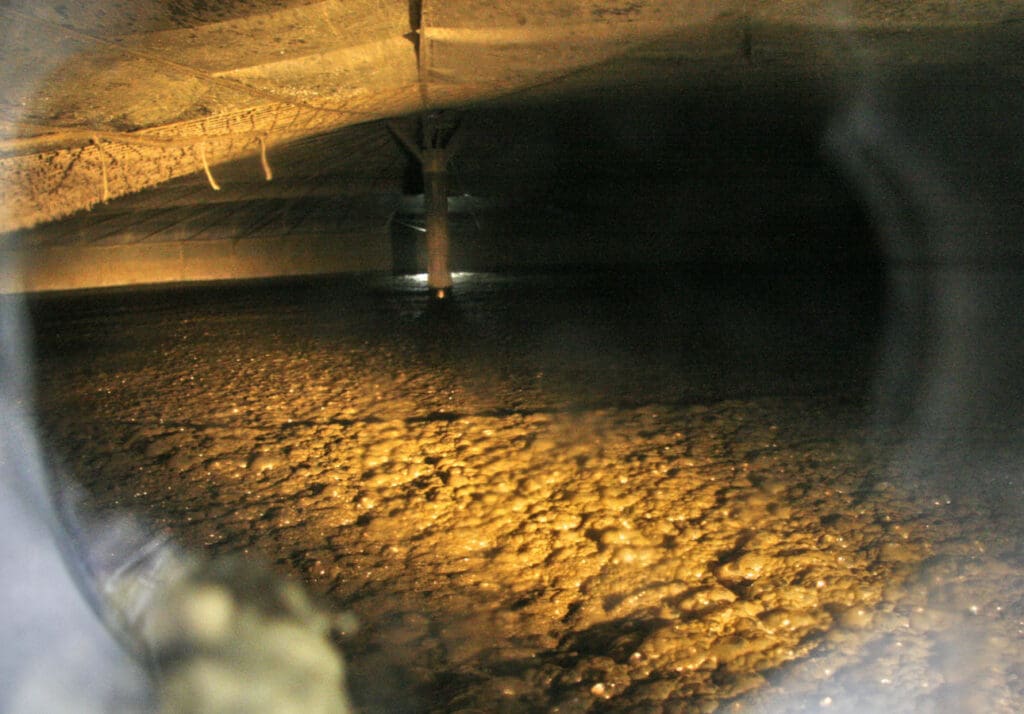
{"x":104,"y":98}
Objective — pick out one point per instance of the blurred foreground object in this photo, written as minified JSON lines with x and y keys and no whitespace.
{"x":182,"y":633}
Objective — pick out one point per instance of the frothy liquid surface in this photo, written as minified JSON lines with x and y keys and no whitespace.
{"x":588,"y":492}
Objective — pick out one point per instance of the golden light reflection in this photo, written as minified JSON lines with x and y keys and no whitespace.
{"x":509,"y":539}
{"x":624,"y":555}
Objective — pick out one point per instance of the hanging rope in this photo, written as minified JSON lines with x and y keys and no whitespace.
{"x":263,"y":160}
{"x":206,"y":167}
{"x":102,"y":170}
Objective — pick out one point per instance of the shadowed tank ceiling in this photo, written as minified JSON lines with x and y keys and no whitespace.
{"x":101,"y":99}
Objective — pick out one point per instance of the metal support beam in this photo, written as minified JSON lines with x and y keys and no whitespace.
{"x":434,"y":150}
{"x":435,"y":190}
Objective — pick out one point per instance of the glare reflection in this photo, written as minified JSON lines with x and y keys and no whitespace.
{"x":421,"y":278}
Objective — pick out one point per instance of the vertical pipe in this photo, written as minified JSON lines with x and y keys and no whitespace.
{"x":435,"y":189}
